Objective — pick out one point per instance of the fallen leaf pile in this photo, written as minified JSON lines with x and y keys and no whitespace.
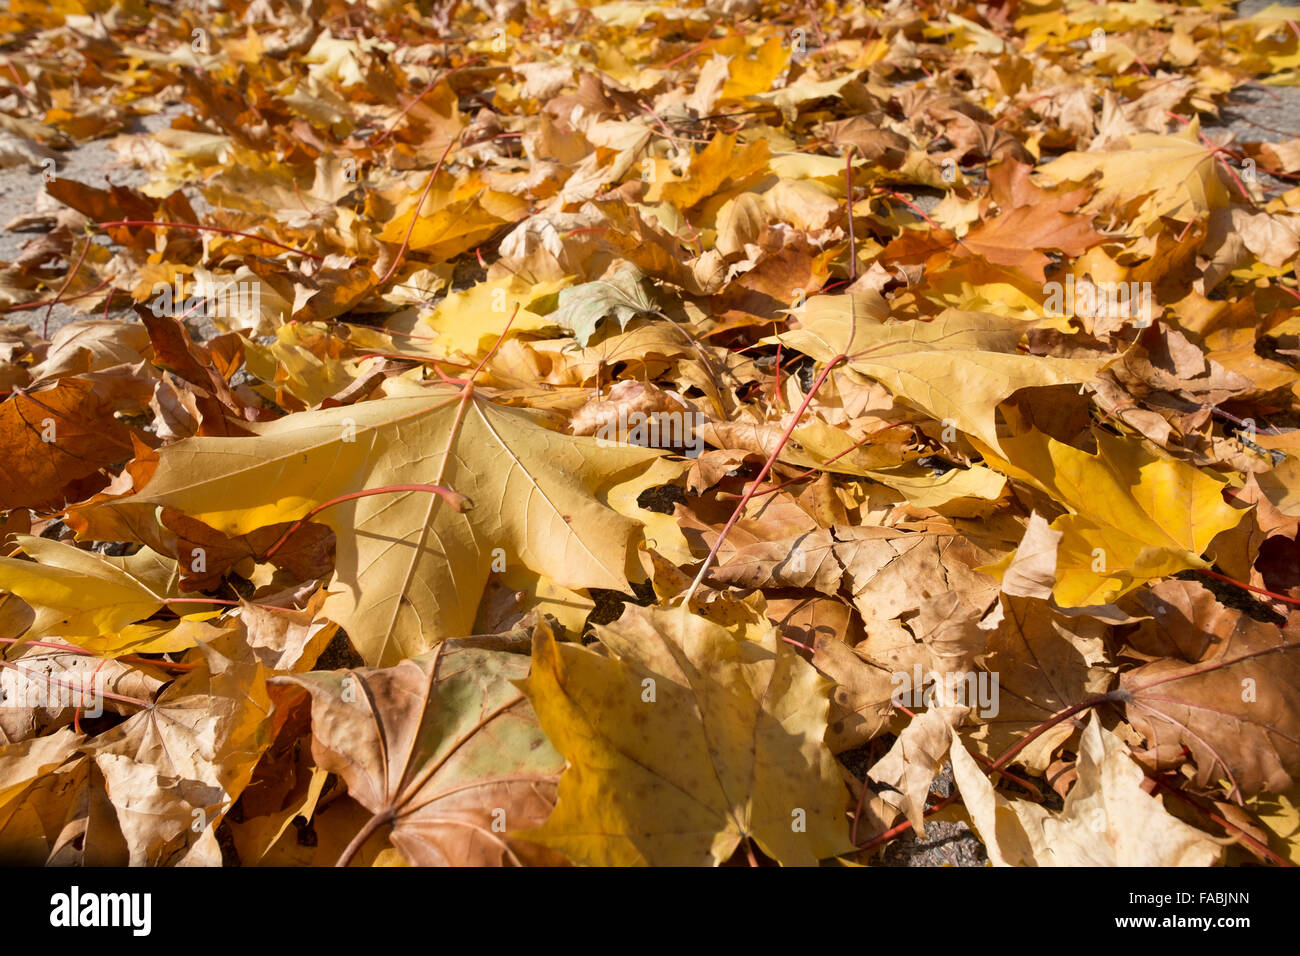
{"x":649,"y":432}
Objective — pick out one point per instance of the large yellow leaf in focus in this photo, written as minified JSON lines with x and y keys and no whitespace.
{"x":1135,"y":516}
{"x":1179,"y":173}
{"x":410,"y":570}
{"x":690,"y":739}
{"x":956,"y":368}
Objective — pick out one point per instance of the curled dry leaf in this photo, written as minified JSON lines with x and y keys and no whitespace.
{"x":1108,"y":818}
{"x":193,"y":749}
